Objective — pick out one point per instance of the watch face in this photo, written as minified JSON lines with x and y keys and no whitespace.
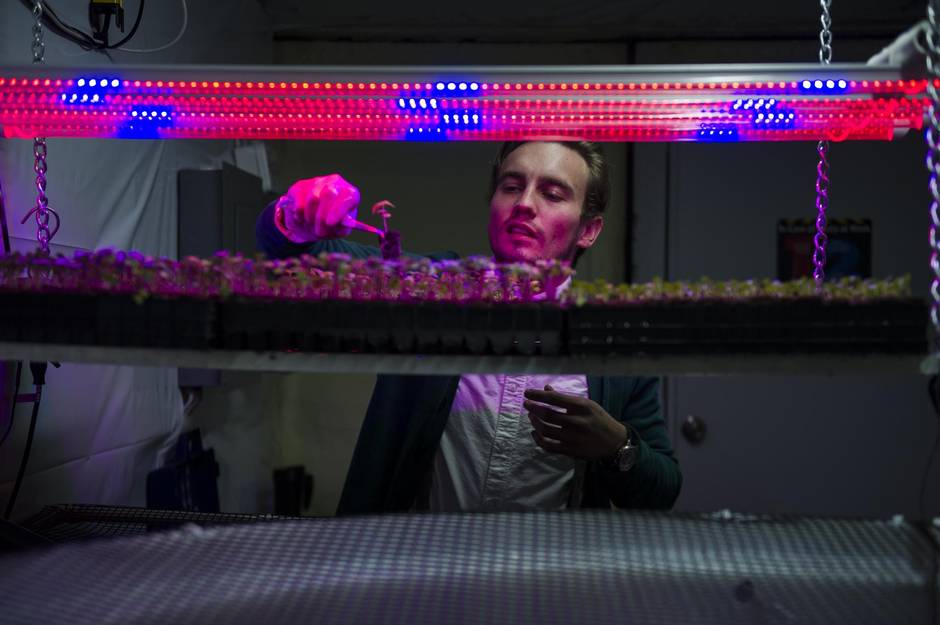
{"x":626,"y":457}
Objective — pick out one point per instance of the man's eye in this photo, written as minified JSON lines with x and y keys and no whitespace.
{"x":554,"y":197}
{"x":510,"y":188}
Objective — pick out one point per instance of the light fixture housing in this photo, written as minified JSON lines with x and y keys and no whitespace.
{"x":599,"y":103}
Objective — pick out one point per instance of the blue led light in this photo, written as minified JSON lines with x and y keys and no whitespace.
{"x":775,"y":119}
{"x":432,"y":127}
{"x":417,"y":104}
{"x":751,"y":104}
{"x":145,"y":123}
{"x":718,"y":133}
{"x":434,"y":117}
{"x":828,"y":85}
{"x":453,"y":88}
{"x":461,"y":119}
{"x":91,"y":91}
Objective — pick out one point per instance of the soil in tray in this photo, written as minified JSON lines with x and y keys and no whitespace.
{"x":383,"y":327}
{"x":261,"y":325}
{"x":48,"y":318}
{"x":156,"y":322}
{"x":803,"y":325}
{"x":112,"y":320}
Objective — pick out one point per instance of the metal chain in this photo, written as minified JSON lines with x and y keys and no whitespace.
{"x":820,"y":241}
{"x":825,"y":35}
{"x":41,"y":210}
{"x":932,"y":135}
{"x":39,"y":45}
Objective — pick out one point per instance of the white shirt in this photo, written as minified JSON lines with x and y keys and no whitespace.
{"x":487,"y":459}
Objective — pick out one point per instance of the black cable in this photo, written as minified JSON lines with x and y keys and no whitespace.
{"x":16,"y":389}
{"x":7,"y":248}
{"x":11,"y":502}
{"x":133,"y":31}
{"x":84,"y":40}
{"x":933,"y":389}
{"x":39,"y":378}
{"x":51,"y":21}
{"x":100,"y":32}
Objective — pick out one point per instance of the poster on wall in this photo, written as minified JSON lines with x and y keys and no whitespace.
{"x":847,"y":254}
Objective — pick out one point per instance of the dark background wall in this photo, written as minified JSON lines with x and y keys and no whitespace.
{"x":796,"y":444}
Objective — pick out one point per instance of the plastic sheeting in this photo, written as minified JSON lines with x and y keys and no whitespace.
{"x":101,"y":428}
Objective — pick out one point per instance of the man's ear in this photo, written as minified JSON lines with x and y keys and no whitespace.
{"x":590,"y":230}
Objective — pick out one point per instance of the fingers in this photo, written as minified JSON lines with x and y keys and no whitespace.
{"x":554,"y":398}
{"x":337,"y":200}
{"x":550,"y":415}
{"x":546,"y":428}
{"x":548,"y":444}
{"x":322,"y":204}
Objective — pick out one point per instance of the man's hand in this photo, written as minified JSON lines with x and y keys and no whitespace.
{"x":316,"y":208}
{"x":584,"y":430}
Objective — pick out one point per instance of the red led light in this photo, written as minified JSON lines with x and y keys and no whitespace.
{"x":534,"y":110}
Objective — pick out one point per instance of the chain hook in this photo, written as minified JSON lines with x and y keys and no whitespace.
{"x":820,"y":241}
{"x":932,"y":137}
{"x":41,"y":210}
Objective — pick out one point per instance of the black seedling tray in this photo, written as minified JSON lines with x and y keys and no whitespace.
{"x":390,"y":327}
{"x":807,"y":325}
{"x":108,"y":319}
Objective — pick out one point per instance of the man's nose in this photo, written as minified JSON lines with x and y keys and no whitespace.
{"x":527,"y":201}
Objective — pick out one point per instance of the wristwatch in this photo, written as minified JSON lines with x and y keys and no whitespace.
{"x":625,"y":457}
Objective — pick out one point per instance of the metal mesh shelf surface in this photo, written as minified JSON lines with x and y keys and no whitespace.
{"x":73,"y":522}
{"x":575,"y":567}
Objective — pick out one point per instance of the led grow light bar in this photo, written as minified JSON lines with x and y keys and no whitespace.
{"x":623,"y":103}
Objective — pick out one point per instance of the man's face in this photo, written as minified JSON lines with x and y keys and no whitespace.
{"x":535,"y":212}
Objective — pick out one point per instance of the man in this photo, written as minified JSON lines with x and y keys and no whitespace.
{"x":497,"y":442}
